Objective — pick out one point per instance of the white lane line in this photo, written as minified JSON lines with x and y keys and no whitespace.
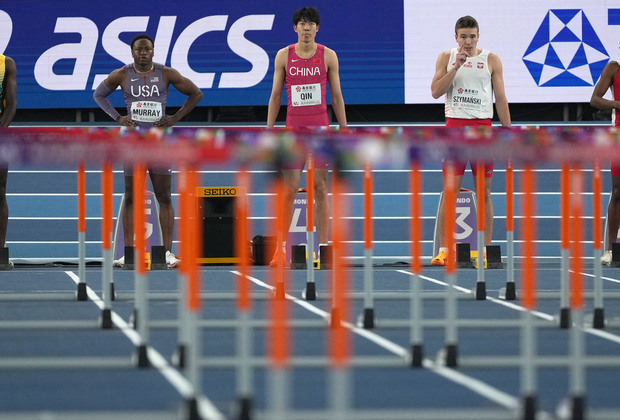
{"x":176,"y":379}
{"x":487,"y":391}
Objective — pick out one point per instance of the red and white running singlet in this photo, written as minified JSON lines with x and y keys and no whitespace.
{"x":306,"y":84}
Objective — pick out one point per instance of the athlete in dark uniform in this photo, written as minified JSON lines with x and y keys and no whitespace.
{"x":145,"y":88}
{"x":8,"y":106}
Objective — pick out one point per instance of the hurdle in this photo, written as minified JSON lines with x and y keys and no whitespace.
{"x":481,"y":291}
{"x":368,"y":316}
{"x":107,"y":280}
{"x":310,"y":292}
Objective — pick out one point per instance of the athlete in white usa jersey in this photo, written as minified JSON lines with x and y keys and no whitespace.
{"x":145,"y":89}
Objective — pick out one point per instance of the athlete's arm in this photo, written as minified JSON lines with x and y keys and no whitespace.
{"x":604,"y":83}
{"x":105,"y":89}
{"x":279,"y":75}
{"x":186,"y":87}
{"x":333,"y":77}
{"x":497,"y":80}
{"x":443,"y":78}
{"x":10,"y":90}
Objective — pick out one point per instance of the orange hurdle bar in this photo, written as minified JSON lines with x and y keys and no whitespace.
{"x":310,"y":292}
{"x":241,"y":228}
{"x":415,"y":233}
{"x":564,"y":244}
{"x":81,"y":187}
{"x":139,"y":182}
{"x":278,"y":342}
{"x":510,"y":293}
{"x":450,"y":194}
{"x":339,"y":334}
{"x":529,"y":236}
{"x":368,"y":316}
{"x":598,"y":320}
{"x":576,"y":296}
{"x":107,"y":203}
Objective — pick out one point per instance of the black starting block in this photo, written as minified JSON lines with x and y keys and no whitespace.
{"x":128,"y":265}
{"x":615,"y":255}
{"x":325,"y":257}
{"x":158,"y":257}
{"x":5,"y":264}
{"x":463,"y":255}
{"x":298,"y":257}
{"x":494,"y":257}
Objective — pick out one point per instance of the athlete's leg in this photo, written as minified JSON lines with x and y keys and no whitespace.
{"x":4,"y":208}
{"x":290,"y":179}
{"x":613,"y":211}
{"x":322,"y":204}
{"x":162,"y":187}
{"x":128,"y":211}
{"x":458,"y":180}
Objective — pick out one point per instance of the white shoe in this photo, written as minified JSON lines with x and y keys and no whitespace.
{"x":606,"y":258}
{"x":171,"y":260}
{"x":119,"y":263}
{"x":11,"y":264}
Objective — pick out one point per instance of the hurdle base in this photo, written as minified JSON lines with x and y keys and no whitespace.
{"x":112,"y":292}
{"x":368,"y":318}
{"x":598,"y":320}
{"x":480,"y":292}
{"x":451,"y":355}
{"x":178,"y":357}
{"x":417,"y":355}
{"x":190,"y":410}
{"x":81,"y":293}
{"x":158,"y":257}
{"x":245,"y":408}
{"x":578,"y":407}
{"x":509,"y":292}
{"x":530,"y":406}
{"x":565,"y":319}
{"x":142,"y":358}
{"x":310,"y":292}
{"x":105,"y":319}
{"x":133,"y":319}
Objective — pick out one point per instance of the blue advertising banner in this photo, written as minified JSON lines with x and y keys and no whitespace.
{"x":65,"y":48}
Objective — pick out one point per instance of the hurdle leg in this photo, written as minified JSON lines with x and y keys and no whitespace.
{"x":450,"y":302}
{"x":368,"y":317}
{"x":598,"y":320}
{"x":565,"y":179}
{"x":415,"y":298}
{"x":81,"y":293}
{"x":141,"y":304}
{"x":528,"y":333}
{"x":107,"y":289}
{"x":310,"y":292}
{"x":244,"y":315}
{"x":481,"y":292}
{"x":510,"y":292}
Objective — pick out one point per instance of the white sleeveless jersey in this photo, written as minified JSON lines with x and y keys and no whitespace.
{"x":471,"y":93}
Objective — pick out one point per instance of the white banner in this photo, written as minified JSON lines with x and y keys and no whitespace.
{"x":551,"y":51}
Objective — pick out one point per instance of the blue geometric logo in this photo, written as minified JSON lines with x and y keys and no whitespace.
{"x":566,"y":51}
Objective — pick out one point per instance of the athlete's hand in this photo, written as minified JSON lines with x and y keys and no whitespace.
{"x":461,"y":57}
{"x":166,"y":121}
{"x":124,"y":120}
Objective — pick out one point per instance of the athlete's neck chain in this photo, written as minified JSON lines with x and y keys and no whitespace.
{"x":144,"y":72}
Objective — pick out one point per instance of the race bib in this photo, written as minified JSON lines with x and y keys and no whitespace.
{"x":306,"y":95}
{"x":146,"y":111}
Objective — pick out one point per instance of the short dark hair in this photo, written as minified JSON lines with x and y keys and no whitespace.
{"x":308,"y":14}
{"x":466,"y":22}
{"x":139,"y":37}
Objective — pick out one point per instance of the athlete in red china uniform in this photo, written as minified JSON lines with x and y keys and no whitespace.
{"x":145,"y":88}
{"x":306,"y":68}
{"x":610,"y":79}
{"x":469,"y":77}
